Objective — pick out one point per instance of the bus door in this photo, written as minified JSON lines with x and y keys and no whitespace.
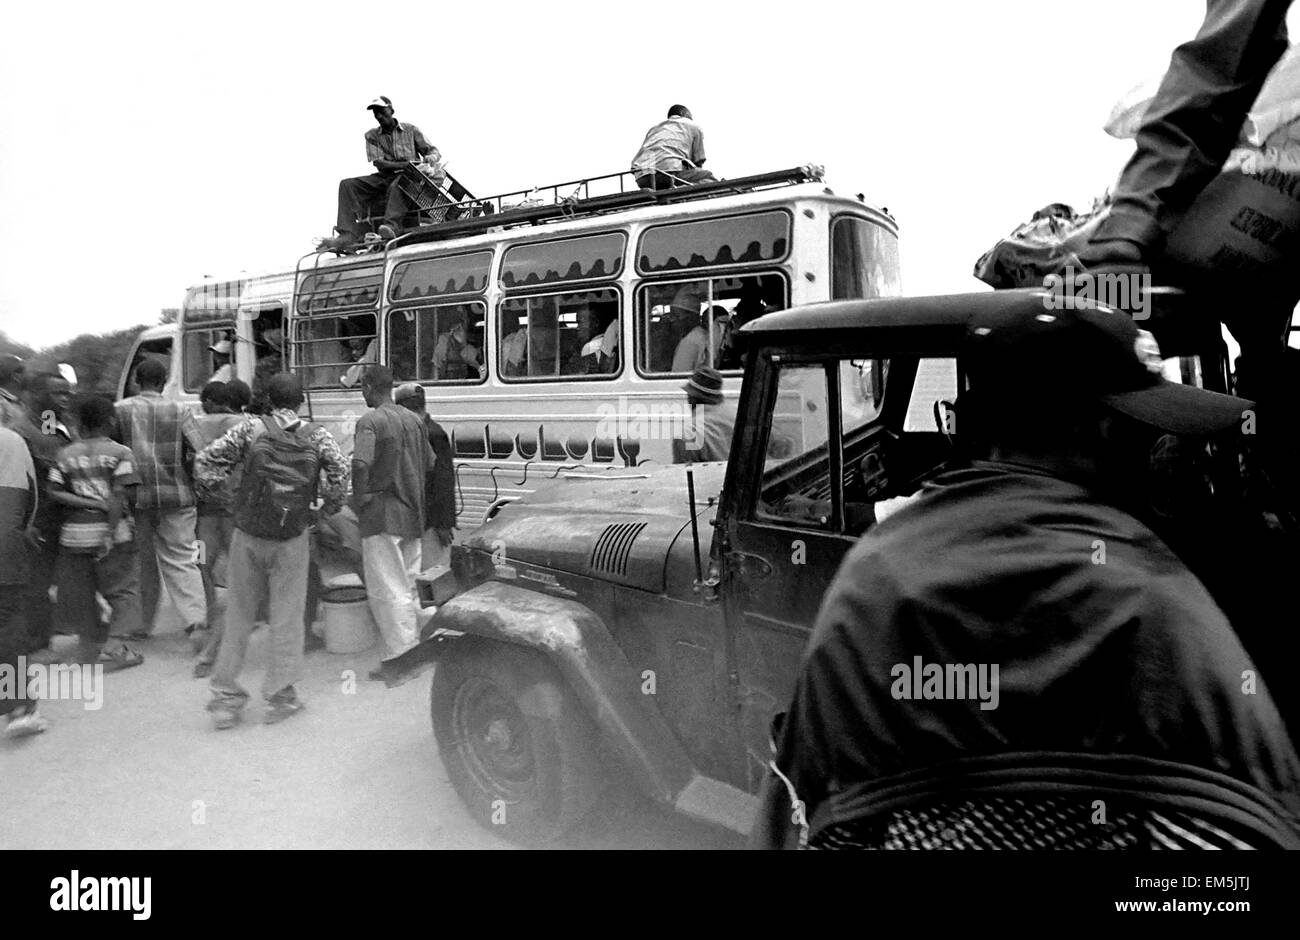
{"x":333,"y":336}
{"x":158,"y":344}
{"x":261,"y":347}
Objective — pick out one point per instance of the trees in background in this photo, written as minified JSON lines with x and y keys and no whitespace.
{"x":12,"y":347}
{"x":98,"y":358}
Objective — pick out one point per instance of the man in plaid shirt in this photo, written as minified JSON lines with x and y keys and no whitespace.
{"x":391,"y":147}
{"x":166,"y":513}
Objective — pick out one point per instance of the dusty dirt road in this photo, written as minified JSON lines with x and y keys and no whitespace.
{"x":357,"y":768}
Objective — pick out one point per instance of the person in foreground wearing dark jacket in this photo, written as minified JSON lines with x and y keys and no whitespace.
{"x":1081,"y":639}
{"x":440,"y":490}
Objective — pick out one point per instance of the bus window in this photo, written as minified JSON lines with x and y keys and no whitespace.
{"x":683,"y":325}
{"x":864,"y":260}
{"x":427,"y":278}
{"x":333,"y":351}
{"x":560,"y":335}
{"x":590,"y":257}
{"x":196,"y":356}
{"x":760,"y":238}
{"x":438,"y":344}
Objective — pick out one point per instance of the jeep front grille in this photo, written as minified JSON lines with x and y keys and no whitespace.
{"x":613,"y":547}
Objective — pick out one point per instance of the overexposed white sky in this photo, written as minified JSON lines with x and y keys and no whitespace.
{"x":145,"y":145}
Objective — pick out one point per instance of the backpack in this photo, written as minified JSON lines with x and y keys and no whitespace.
{"x":281,"y":471}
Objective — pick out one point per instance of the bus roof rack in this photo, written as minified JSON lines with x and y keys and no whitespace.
{"x":589,"y":197}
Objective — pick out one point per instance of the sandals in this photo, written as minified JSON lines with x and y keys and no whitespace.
{"x":117,"y":660}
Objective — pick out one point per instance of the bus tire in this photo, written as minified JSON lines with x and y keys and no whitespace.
{"x":517,"y":745}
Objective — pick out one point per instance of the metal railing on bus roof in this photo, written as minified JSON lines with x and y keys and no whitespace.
{"x":588,"y":197}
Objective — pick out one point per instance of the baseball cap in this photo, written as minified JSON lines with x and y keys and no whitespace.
{"x":381,"y":102}
{"x":1033,"y":357}
{"x":222,"y":348}
{"x":408,"y":391}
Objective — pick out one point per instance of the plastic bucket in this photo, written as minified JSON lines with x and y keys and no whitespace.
{"x":348,"y":624}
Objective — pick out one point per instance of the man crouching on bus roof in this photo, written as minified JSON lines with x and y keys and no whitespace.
{"x":391,"y":147}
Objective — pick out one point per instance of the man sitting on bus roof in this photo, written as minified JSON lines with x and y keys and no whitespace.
{"x":391,"y":147}
{"x":672,"y":153}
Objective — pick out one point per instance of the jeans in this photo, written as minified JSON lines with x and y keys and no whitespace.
{"x":214,"y":531}
{"x":266,"y":571}
{"x":391,"y":565}
{"x":116,"y":576}
{"x":359,"y":194}
{"x":169,"y":557}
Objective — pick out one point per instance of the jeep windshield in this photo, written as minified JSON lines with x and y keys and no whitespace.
{"x":876,"y":426}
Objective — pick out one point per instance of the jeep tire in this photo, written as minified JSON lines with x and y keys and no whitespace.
{"x":517,"y":745}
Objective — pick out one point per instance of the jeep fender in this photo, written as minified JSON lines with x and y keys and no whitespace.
{"x":579,"y":645}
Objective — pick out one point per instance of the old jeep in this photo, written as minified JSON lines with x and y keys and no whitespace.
{"x":617,"y":628}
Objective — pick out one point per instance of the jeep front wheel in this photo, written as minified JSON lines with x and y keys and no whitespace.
{"x":516,"y":744}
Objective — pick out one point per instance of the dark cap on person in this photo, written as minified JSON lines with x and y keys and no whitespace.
{"x":707,"y":384}
{"x":412,"y":392}
{"x":1032,"y":357}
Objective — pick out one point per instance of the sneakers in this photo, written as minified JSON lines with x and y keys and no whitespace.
{"x":199,"y":634}
{"x":282,"y":705}
{"x":224,"y":717}
{"x":26,"y":724}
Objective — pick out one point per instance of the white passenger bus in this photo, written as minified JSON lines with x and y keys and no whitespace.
{"x":549,"y":338}
{"x":558,"y":338}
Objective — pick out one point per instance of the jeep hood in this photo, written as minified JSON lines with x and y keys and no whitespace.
{"x":620,"y":526}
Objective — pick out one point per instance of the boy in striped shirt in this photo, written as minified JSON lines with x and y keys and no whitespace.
{"x":93,"y":478}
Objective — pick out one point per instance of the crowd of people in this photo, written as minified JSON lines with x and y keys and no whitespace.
{"x":114,"y":504}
